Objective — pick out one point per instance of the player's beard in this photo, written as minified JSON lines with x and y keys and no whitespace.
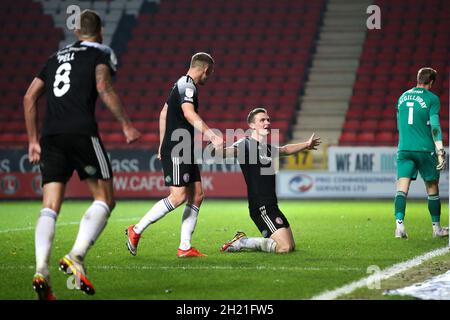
{"x":202,"y":80}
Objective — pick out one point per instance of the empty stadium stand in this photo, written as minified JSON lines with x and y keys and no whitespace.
{"x":262,"y":51}
{"x":411,"y":37}
{"x":28,"y":36}
{"x":261,"y":58}
{"x":332,"y":73}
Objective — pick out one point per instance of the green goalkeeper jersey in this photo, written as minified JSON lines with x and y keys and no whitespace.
{"x":414,"y":109}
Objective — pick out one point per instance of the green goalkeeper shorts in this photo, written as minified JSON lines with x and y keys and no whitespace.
{"x":409,"y":163}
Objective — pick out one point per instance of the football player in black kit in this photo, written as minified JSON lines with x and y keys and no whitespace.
{"x":71,"y":80}
{"x":256,"y":158}
{"x":177,"y":121}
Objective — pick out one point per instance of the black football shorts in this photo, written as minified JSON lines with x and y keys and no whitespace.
{"x":268,"y":219}
{"x":63,"y":153}
{"x":177,"y":173}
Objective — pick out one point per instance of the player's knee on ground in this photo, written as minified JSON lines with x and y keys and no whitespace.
{"x":285,"y":247}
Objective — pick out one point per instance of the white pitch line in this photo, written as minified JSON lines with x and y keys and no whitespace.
{"x":62,"y":224}
{"x":384,"y":274}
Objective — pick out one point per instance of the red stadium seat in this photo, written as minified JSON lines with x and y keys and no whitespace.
{"x":387,"y":124}
{"x":384,"y":138}
{"x":366,"y":138}
{"x":369,"y":125}
{"x":347,"y":138}
{"x":352,"y":125}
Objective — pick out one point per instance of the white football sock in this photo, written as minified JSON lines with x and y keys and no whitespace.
{"x":159,"y":210}
{"x":91,"y":225}
{"x":188,"y":223}
{"x":259,"y":244}
{"x":436,"y":225}
{"x":43,"y":238}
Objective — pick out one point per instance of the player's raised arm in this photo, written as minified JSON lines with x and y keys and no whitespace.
{"x":112,"y":101}
{"x":33,"y":93}
{"x":293,"y":148}
{"x":436,"y":133}
{"x":194,"y":119}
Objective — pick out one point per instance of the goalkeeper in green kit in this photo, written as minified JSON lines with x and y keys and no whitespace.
{"x":420,"y":149}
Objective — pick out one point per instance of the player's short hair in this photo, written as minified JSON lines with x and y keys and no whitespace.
{"x":253,"y":113}
{"x":426,"y":75}
{"x":200,"y":59}
{"x":90,"y":23}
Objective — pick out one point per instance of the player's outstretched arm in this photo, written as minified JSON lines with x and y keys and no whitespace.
{"x":162,"y":127}
{"x":33,"y":93}
{"x":112,"y":101}
{"x":194,"y":119}
{"x":293,"y":148}
{"x":222,"y":152}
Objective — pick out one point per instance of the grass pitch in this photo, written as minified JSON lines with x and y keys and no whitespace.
{"x":336,"y":243}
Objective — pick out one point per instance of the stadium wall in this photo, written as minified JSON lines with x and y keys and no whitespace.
{"x":366,"y":173}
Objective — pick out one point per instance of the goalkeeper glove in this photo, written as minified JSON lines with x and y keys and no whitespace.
{"x":441,"y":159}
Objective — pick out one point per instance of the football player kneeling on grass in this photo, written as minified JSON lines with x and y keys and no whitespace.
{"x":256,"y":158}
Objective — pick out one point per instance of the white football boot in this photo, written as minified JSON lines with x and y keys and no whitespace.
{"x":400,"y":232}
{"x":439,"y":231}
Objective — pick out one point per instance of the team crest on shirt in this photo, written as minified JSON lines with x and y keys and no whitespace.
{"x":186,"y":177}
{"x":90,"y":170}
{"x":189,"y":92}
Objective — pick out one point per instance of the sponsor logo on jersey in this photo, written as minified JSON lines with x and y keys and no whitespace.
{"x":189,"y":92}
{"x":265,"y":159}
{"x":9,"y":184}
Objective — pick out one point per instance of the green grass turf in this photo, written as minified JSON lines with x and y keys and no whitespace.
{"x":336,"y":243}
